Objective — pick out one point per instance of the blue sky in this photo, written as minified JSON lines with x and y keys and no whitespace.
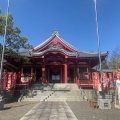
{"x":74,"y":19}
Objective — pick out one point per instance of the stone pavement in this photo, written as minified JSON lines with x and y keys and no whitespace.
{"x":58,"y":110}
{"x":16,"y":110}
{"x":82,"y":111}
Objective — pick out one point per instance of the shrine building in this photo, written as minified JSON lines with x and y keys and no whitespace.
{"x":57,"y":61}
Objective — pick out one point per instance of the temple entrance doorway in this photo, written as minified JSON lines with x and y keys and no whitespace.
{"x":39,"y":75}
{"x":71,"y":75}
{"x":55,"y":74}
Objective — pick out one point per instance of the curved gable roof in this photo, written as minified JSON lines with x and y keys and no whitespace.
{"x":45,"y":47}
{"x":55,"y":34}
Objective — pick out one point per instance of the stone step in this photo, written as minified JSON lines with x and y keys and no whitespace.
{"x":67,"y":86}
{"x":62,"y":99}
{"x":33,"y":99}
{"x":57,"y":92}
{"x":56,"y":99}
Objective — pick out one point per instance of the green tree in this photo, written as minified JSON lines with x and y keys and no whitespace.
{"x":115,"y":58}
{"x":14,"y":42}
{"x":104,"y":64}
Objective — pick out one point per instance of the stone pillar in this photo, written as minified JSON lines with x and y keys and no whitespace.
{"x":65,"y":74}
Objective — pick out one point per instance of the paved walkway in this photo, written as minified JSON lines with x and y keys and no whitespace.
{"x":16,"y":110}
{"x":82,"y":111}
{"x":50,"y":111}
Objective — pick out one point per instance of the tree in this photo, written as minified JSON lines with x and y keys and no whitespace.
{"x":104,"y":64}
{"x":115,"y":58}
{"x":14,"y":42}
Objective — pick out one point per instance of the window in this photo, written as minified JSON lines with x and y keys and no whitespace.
{"x":83,"y":69}
{"x":83,"y":74}
{"x":55,"y":77}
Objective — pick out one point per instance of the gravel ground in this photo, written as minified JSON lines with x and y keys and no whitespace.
{"x":15,"y":110}
{"x":82,"y":110}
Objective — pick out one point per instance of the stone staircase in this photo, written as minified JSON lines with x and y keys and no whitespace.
{"x":65,"y":95}
{"x":37,"y":92}
{"x":53,"y":92}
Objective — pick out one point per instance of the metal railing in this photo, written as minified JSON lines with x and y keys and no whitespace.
{"x":83,"y":94}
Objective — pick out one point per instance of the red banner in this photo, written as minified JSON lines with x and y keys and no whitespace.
{"x":118,"y":74}
{"x":110,"y":76}
{"x":96,"y":80}
{"x":9,"y":84}
{"x":14,"y":78}
{"x":4,"y":80}
{"x":105,"y":80}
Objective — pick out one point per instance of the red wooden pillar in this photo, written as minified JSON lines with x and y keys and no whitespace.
{"x":76,"y":74}
{"x":90,"y":73}
{"x":65,"y":74}
{"x":43,"y":74}
{"x":33,"y":73}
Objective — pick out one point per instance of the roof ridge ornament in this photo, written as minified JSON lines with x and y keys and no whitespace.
{"x":55,"y":32}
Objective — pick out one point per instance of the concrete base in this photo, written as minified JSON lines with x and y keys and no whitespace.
{"x":104,"y":103}
{"x":1,"y":104}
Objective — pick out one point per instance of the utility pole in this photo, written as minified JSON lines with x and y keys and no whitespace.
{"x":3,"y":48}
{"x":98,"y":38}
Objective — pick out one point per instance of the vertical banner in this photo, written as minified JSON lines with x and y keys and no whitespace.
{"x":105,"y":80}
{"x":96,"y":80}
{"x":118,"y":74}
{"x":111,"y":80}
{"x":4,"y":80}
{"x":14,"y":78}
{"x":9,"y":84}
